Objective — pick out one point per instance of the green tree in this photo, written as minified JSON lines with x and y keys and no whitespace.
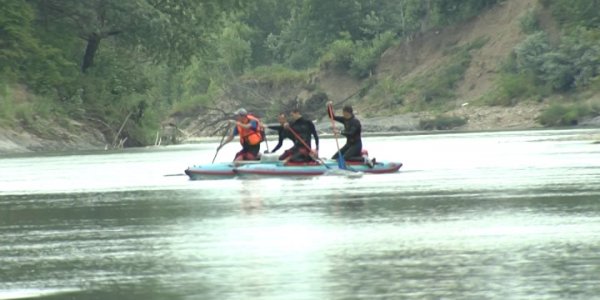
{"x":233,"y":48}
{"x":312,"y":26}
{"x":16,"y":39}
{"x":266,"y":18}
{"x":171,"y":30}
{"x":403,"y":17}
{"x":582,"y":49}
{"x":573,"y":13}
{"x":529,"y":54}
{"x":575,"y":62}
{"x":23,"y":56}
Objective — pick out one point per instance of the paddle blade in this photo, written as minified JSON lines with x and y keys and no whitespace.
{"x":341,"y":161}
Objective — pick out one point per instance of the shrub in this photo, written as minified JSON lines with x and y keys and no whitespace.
{"x":581,"y":49}
{"x":529,"y":53}
{"x":338,"y":55}
{"x":573,"y":13}
{"x":573,"y":64}
{"x":363,"y":61}
{"x":513,"y":87}
{"x":557,"y":71}
{"x":359,"y":58}
{"x":529,"y":21}
{"x":566,"y":115}
{"x":366,"y":56}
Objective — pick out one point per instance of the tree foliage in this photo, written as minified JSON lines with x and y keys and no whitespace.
{"x":568,"y":65}
{"x":16,"y":36}
{"x":575,"y":62}
{"x":576,"y":13}
{"x":23,"y":55}
{"x":172,"y":30}
{"x":139,"y":60}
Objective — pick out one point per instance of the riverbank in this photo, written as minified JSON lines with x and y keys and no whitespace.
{"x":479,"y":118}
{"x":57,"y":138}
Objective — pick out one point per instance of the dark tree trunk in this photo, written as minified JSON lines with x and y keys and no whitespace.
{"x":93,"y":42}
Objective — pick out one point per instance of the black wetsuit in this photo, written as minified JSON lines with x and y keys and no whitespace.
{"x":352,"y":131}
{"x":281,"y":134}
{"x":304,"y":129}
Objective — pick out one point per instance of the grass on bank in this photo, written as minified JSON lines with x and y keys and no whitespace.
{"x":19,"y":108}
{"x":433,"y":90}
{"x":278,"y":75}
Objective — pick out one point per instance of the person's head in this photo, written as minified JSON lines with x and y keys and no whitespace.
{"x":241,"y":114}
{"x":295,"y":114}
{"x":347,"y":111}
{"x":281,"y":118}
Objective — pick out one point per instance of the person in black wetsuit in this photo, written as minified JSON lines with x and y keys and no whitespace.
{"x":282,"y":135}
{"x":352,"y":131}
{"x":302,"y":131}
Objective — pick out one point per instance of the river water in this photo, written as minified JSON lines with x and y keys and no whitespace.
{"x":502,"y":215}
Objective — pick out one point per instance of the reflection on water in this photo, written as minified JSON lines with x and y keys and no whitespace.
{"x":519,"y":220}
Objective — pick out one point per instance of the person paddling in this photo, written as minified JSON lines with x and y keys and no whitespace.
{"x":282,"y":134}
{"x":248,"y":128}
{"x":302,"y":130}
{"x":352,"y":150}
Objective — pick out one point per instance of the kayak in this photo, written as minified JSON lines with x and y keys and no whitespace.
{"x":278,"y":168}
{"x":226,"y":169}
{"x":214,"y":171}
{"x":314,"y":169}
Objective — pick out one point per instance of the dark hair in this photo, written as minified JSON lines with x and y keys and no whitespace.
{"x":295,"y":110}
{"x":347,"y":108}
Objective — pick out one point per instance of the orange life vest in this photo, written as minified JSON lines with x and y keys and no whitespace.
{"x":251,"y":136}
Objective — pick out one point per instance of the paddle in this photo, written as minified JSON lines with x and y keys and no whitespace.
{"x":341,"y":161}
{"x":221,"y":143}
{"x":266,"y":141}
{"x":317,"y":159}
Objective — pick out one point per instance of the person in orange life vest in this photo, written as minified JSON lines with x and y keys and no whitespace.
{"x":248,"y":128}
{"x":304,"y":129}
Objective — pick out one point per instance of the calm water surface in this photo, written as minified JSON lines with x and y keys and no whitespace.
{"x":505,"y":215}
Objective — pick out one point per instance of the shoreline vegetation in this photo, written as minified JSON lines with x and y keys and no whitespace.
{"x":112,"y":74}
